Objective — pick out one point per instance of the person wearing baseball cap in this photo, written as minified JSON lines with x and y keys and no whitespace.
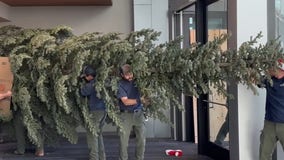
{"x":88,"y":70}
{"x":97,"y":114}
{"x":273,"y":130}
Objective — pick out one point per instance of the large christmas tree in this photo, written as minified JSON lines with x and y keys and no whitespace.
{"x":46,"y":64}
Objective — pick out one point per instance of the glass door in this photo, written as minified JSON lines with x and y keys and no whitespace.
{"x":213,"y":109}
{"x":218,"y":108}
{"x":185,"y":122}
{"x":205,"y":120}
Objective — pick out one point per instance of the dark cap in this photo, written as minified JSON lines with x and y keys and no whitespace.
{"x":88,"y":70}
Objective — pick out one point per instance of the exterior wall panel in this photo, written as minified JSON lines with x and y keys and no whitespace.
{"x":250,"y":21}
{"x":4,"y":12}
{"x":153,"y":14}
{"x":115,"y":18}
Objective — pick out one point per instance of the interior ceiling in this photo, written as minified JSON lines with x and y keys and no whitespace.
{"x":17,"y":3}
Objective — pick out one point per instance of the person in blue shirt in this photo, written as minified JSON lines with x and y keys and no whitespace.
{"x":273,"y":130}
{"x":97,"y":115}
{"x":131,"y":114}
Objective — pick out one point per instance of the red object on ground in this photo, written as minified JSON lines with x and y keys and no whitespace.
{"x":172,"y":152}
{"x":178,"y":153}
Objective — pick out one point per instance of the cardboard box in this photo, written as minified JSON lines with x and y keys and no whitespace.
{"x":6,"y":82}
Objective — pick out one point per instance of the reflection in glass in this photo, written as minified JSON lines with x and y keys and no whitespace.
{"x":219,"y":119}
{"x":218,"y":109}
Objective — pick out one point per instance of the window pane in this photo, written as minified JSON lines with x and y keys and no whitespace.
{"x":218,"y":109}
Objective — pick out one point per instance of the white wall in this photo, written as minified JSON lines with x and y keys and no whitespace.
{"x":251,"y":19}
{"x":115,"y":18}
{"x":251,"y":117}
{"x":153,"y":14}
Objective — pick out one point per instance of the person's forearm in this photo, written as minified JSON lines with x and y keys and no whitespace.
{"x":129,"y":102}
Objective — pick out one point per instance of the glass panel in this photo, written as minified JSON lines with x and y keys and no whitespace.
{"x":218,"y":110}
{"x":190,"y":12}
{"x":184,"y":25}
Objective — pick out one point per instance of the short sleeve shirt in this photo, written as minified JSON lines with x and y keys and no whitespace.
{"x":130,"y":90}
{"x":275,"y":100}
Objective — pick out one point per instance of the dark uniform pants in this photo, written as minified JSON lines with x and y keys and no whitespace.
{"x":271,"y":133}
{"x":128,"y":121}
{"x":95,"y":142}
{"x":20,"y":133}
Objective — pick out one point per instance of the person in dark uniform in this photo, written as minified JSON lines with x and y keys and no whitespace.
{"x":131,"y":114}
{"x":97,"y":115}
{"x":273,"y":129}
